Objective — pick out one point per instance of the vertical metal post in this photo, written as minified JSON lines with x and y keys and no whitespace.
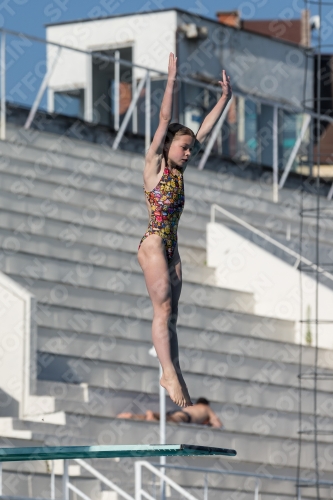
{"x":3,"y":87}
{"x":299,"y":495}
{"x":256,"y":491}
{"x":216,"y":130}
{"x":148,"y":112}
{"x":212,"y":213}
{"x":135,"y":111}
{"x":0,"y":478}
{"x":42,"y":89}
{"x":206,"y":487}
{"x":219,"y":136}
{"x":306,"y":122}
{"x":275,"y":155}
{"x":162,"y":432}
{"x":138,"y":480}
{"x":116,"y":96}
{"x":65,"y":490}
{"x":52,"y":481}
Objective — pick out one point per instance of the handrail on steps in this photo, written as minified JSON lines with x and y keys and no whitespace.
{"x":299,"y":257}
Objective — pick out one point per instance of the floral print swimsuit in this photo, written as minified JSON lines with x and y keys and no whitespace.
{"x":167,"y":202}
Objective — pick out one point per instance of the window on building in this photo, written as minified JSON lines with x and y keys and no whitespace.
{"x":69,"y":102}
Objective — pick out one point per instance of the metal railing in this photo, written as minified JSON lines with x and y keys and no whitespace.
{"x":299,"y":483}
{"x":141,"y":493}
{"x":146,"y":82}
{"x":299,"y":258}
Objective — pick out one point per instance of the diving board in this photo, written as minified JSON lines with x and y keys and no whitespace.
{"x":135,"y":451}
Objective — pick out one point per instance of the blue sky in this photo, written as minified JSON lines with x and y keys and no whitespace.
{"x":29,"y":16}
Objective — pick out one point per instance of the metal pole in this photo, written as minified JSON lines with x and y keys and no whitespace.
{"x":41,"y":91}
{"x":128,"y":114}
{"x":256,"y":491}
{"x":306,"y":122}
{"x":116,"y":89}
{"x":206,"y":487}
{"x":0,"y":478}
{"x":3,"y":88}
{"x":213,"y":137}
{"x":162,"y":431}
{"x":135,"y":112}
{"x":138,"y":480}
{"x":52,"y":481}
{"x":275,"y":155}
{"x":148,"y":113}
{"x":65,"y":490}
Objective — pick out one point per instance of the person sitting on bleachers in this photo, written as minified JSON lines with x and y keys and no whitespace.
{"x":200,"y":413}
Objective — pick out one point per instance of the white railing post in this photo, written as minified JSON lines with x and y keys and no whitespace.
{"x":275,"y":155}
{"x":135,"y":112}
{"x":0,"y":478}
{"x":65,"y":490}
{"x":212,"y":212}
{"x":206,"y":487}
{"x":52,"y":481}
{"x":116,"y":96}
{"x":41,"y":90}
{"x":162,"y":433}
{"x":138,"y":480}
{"x":129,"y":112}
{"x":105,"y":480}
{"x":256,"y":491}
{"x":3,"y":87}
{"x":306,"y":123}
{"x":213,"y":137}
{"x":148,"y":112}
{"x":299,"y":495}
{"x":78,"y":492}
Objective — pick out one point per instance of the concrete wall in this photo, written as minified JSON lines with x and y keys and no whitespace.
{"x":17,"y":347}
{"x":243,"y":265}
{"x":151,"y":35}
{"x":256,"y":64}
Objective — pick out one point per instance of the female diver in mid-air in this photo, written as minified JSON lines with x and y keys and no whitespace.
{"x":165,"y":163}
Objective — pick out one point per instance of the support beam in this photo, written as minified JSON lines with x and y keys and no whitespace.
{"x":275,"y":155}
{"x":294,"y":151}
{"x":3,"y":86}
{"x":147,"y":113}
{"x":116,"y":89}
{"x":41,"y":90}
{"x":67,"y":452}
{"x":129,"y":112}
{"x":213,"y":137}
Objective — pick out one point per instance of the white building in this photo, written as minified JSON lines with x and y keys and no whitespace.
{"x":270,"y":69}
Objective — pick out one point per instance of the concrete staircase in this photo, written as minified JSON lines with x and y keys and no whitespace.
{"x":71,"y":217}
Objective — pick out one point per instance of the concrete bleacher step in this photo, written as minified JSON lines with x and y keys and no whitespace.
{"x":209,"y":362}
{"x":114,"y":280}
{"x":97,"y":302}
{"x":232,"y":397}
{"x":49,"y":143}
{"x":37,"y":246}
{"x":236,"y":419}
{"x":131,"y":374}
{"x":84,"y":195}
{"x":243,"y":206}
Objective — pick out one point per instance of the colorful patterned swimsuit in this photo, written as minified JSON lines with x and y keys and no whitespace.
{"x":167,"y":202}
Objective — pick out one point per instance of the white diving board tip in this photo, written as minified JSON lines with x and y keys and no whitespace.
{"x":135,"y":451}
